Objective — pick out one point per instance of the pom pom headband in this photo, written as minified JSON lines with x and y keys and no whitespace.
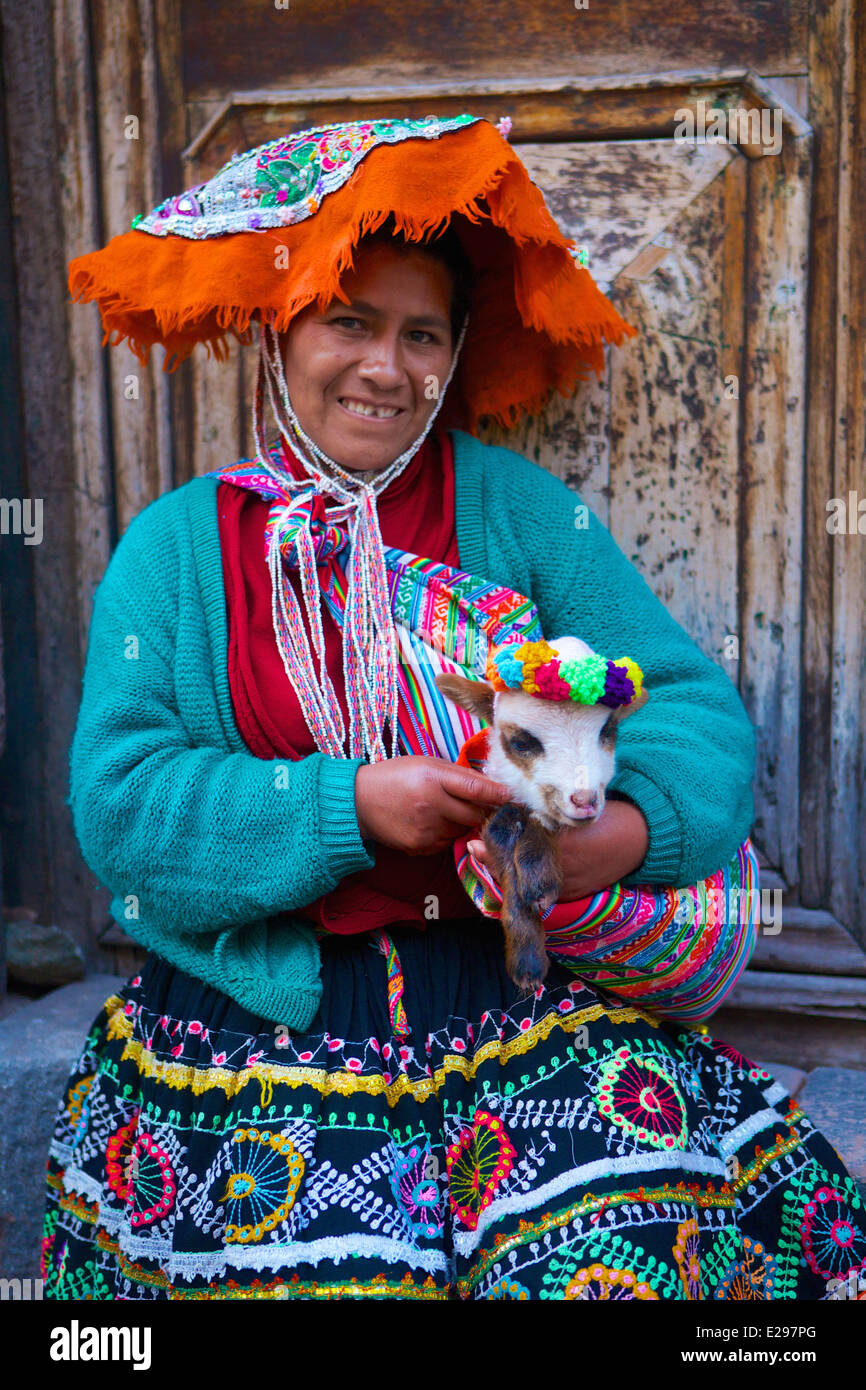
{"x":539,"y":669}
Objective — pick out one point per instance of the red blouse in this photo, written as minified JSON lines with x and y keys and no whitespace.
{"x":416,"y":512}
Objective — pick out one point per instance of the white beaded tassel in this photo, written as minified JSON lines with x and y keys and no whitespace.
{"x":369,"y":638}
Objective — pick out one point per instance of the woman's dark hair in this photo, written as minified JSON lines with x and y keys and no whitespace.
{"x":446,"y":248}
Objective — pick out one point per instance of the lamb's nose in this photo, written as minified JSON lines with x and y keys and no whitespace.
{"x":585,"y":801}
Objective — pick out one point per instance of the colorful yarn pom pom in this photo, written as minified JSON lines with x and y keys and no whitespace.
{"x":618,"y":687}
{"x":551,"y":685}
{"x":586,"y":678}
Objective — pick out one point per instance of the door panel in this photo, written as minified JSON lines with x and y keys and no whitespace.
{"x":730,"y":264}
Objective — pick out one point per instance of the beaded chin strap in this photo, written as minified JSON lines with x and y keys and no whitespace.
{"x":369,"y":638}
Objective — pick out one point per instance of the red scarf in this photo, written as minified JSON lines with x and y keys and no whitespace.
{"x":416,"y":512}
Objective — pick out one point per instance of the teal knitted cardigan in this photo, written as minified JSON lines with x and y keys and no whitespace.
{"x":210,"y":852}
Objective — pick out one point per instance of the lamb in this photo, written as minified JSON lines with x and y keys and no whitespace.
{"x":554,"y":746}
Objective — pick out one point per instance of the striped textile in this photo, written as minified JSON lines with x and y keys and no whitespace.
{"x":446,"y":620}
{"x":677,"y":951}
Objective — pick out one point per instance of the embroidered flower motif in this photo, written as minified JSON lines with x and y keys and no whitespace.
{"x":478,"y":1163}
{"x":267,"y":1171}
{"x":288,"y":180}
{"x":509,"y":1288}
{"x":750,"y":1278}
{"x":833,"y":1239}
{"x":687,"y":1252}
{"x":417,"y":1190}
{"x":77,"y":1104}
{"x":138,"y":1170}
{"x":636,"y":1094}
{"x":598,"y":1283}
{"x":153,"y":1182}
{"x":723,"y":1049}
{"x":118,"y":1158}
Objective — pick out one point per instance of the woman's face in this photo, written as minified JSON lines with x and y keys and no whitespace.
{"x":364,"y":377}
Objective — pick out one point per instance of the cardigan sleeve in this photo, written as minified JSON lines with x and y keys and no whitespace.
{"x":686,"y":759}
{"x":187,"y":834}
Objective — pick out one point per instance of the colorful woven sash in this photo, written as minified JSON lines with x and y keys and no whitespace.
{"x":676,"y":950}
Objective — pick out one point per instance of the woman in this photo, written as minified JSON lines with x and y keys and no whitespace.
{"x":272,"y":1111}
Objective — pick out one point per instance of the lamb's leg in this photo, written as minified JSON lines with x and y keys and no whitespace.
{"x":504,"y":834}
{"x":539,"y":870}
{"x":539,"y":880}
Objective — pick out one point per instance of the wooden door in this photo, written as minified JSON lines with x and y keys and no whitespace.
{"x":717,"y":436}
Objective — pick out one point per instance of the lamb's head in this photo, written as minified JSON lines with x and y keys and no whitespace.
{"x":556,"y":753}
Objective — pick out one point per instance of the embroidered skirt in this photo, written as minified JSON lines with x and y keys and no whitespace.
{"x":558,"y":1147}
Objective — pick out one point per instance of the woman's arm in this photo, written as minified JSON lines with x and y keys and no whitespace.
{"x":685,"y":760}
{"x":188,"y":835}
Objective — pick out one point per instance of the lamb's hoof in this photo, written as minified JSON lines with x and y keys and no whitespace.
{"x":504,"y":828}
{"x":547,"y":900}
{"x":538,"y":884}
{"x":528,"y":986}
{"x":529,"y":972}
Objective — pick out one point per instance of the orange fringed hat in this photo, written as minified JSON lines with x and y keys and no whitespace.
{"x":208,"y":262}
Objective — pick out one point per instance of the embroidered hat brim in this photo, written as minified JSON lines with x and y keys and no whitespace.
{"x":210,"y":262}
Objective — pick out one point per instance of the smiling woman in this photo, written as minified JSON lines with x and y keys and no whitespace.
{"x":267,"y":1109}
{"x":365,"y":375}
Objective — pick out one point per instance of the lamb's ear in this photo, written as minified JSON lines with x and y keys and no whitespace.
{"x":623,"y":711}
{"x":474,"y":696}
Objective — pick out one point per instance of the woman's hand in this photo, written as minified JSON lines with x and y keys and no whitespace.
{"x":419,"y":805}
{"x":596,"y":855}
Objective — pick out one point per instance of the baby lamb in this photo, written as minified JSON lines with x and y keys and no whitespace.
{"x":554,"y":746}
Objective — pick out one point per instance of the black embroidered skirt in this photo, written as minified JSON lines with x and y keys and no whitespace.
{"x":558,"y":1147}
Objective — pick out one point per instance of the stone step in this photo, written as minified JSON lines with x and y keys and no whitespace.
{"x":792,"y":1078}
{"x":834,"y":1098}
{"x":39,"y":1043}
{"x":821,"y":996}
{"x":811,"y":942}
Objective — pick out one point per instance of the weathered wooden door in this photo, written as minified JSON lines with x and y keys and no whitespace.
{"x":717,"y":437}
